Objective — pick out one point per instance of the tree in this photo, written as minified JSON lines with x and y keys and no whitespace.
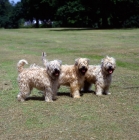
{"x":37,"y":9}
{"x":5,"y":13}
{"x":71,"y":14}
{"x":16,"y":15}
{"x":124,"y":10}
{"x":10,"y":14}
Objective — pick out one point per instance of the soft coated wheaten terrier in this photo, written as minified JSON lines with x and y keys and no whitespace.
{"x":100,"y":75}
{"x":43,"y":79}
{"x":73,"y":75}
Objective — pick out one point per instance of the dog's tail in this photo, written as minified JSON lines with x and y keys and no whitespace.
{"x":20,"y":65}
{"x":45,"y":61}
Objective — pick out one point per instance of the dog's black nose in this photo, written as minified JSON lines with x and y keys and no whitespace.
{"x":83,"y":67}
{"x":56,"y":70}
{"x":110,"y":67}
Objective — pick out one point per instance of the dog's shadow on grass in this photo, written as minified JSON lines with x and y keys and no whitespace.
{"x":37,"y":98}
{"x":64,"y":94}
{"x":42,"y":98}
{"x":81,"y":93}
{"x":87,"y":92}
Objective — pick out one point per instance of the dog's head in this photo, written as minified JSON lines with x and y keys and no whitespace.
{"x":81,"y":65}
{"x":54,"y":68}
{"x":108,"y":65}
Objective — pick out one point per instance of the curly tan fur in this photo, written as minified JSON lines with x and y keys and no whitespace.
{"x":44,"y":79}
{"x":73,"y":76}
{"x":100,"y":75}
{"x":20,"y":65}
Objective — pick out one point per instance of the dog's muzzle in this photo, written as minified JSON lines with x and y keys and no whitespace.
{"x":56,"y":72}
{"x":110,"y":70}
{"x":83,"y":70}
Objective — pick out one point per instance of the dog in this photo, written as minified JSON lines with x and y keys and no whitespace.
{"x":101,"y":76}
{"x":72,"y":75}
{"x":43,"y":79}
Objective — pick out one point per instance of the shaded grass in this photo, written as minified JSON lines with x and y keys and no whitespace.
{"x":87,"y":118}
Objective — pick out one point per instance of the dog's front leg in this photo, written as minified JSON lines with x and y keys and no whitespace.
{"x":75,"y":90}
{"x":106,"y":91}
{"x":48,"y":95}
{"x":55,"y":89}
{"x":99,"y":89}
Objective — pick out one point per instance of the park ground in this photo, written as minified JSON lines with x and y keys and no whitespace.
{"x":108,"y":117}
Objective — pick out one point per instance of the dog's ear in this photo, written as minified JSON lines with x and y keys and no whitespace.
{"x":76,"y":61}
{"x":60,"y":62}
{"x":102,"y":60}
{"x":88,"y":60}
{"x":107,"y":57}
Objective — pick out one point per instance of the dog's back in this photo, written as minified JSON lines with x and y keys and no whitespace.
{"x":92,"y":73}
{"x":34,"y":77}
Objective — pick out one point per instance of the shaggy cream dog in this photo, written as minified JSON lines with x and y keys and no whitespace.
{"x":100,"y":75}
{"x":44,"y":79}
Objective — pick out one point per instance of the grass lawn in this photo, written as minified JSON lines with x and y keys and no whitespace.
{"x":110,"y":117}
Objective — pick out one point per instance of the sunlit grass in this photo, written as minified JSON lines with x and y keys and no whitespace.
{"x":87,"y":118}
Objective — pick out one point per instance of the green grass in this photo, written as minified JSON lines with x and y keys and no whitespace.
{"x":88,"y":118}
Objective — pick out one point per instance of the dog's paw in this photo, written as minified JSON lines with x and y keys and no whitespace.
{"x":108,"y":93}
{"x":99,"y":94}
{"x":76,"y":96}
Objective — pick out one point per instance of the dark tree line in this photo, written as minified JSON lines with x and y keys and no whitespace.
{"x":10,"y":14}
{"x":71,"y":13}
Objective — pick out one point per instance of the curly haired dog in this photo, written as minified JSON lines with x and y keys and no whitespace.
{"x":100,"y":75}
{"x":44,"y":79}
{"x":73,"y":75}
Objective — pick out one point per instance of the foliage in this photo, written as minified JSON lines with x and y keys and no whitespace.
{"x":37,"y":10}
{"x":5,"y":13}
{"x":10,"y":14}
{"x":71,"y":13}
{"x":132,"y":22}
